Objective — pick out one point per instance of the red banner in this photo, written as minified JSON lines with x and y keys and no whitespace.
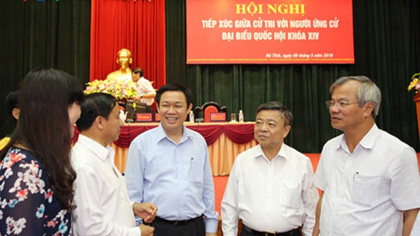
{"x":270,"y":32}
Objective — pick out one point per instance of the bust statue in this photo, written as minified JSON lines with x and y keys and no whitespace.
{"x":123,"y":60}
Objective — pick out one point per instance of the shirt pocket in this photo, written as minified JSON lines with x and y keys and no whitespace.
{"x":365,"y":189}
{"x":196,"y":171}
{"x":292,"y":197}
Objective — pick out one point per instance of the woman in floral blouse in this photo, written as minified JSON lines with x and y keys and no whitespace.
{"x":36,"y":177}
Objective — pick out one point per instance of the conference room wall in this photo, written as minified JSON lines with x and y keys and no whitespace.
{"x":387,"y":49}
{"x":41,"y":33}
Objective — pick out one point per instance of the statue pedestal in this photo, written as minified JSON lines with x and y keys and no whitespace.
{"x":417,"y":100}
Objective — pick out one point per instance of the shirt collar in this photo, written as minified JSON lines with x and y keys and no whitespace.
{"x":100,"y":151}
{"x":282,"y":152}
{"x":161,"y":134}
{"x":367,"y":141}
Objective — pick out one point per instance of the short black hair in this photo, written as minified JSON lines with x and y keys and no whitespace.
{"x":175,"y":87}
{"x":284,"y":111}
{"x":138,"y":70}
{"x":95,"y":104}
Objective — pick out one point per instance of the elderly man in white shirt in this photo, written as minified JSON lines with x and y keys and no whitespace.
{"x":270,"y":186}
{"x":368,"y":177}
{"x":103,"y":206}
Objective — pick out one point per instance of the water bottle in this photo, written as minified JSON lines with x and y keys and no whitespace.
{"x":191,"y":116}
{"x":241,"y":116}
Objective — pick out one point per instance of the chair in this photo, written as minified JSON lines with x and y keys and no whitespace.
{"x":207,"y":112}
{"x":207,"y":108}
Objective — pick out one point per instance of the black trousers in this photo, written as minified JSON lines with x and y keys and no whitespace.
{"x":193,"y":227}
{"x":246,"y":231}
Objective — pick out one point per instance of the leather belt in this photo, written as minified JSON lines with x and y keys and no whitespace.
{"x":177,"y":222}
{"x":271,"y":233}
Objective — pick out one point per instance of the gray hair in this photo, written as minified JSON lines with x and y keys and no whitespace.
{"x":367,"y":92}
{"x":285,"y":113}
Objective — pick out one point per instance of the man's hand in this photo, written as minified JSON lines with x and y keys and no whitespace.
{"x":410,"y":218}
{"x":211,"y":234}
{"x":147,"y":211}
{"x":316,"y":230}
{"x":146,"y":230}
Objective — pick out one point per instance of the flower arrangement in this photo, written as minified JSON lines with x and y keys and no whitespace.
{"x":120,"y":89}
{"x":414,"y":83}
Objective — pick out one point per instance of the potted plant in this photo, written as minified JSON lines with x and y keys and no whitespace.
{"x":415,"y":84}
{"x":121,"y":90}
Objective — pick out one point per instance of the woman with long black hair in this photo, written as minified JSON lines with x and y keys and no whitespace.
{"x":36,"y":177}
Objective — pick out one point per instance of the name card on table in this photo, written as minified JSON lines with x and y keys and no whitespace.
{"x":144,"y":117}
{"x":217,"y":117}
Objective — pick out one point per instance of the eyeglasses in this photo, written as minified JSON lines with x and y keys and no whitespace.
{"x":340,"y":104}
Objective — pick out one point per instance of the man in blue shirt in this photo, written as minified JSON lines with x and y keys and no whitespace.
{"x":169,"y":166}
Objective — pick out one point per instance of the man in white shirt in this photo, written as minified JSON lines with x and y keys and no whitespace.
{"x":145,"y":91}
{"x":102,"y":203}
{"x":368,"y":177}
{"x":270,"y":185}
